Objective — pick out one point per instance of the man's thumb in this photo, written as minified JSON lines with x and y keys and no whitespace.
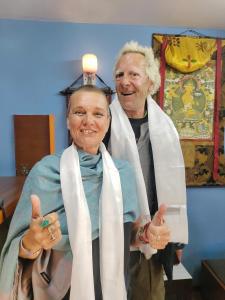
{"x":159,"y":216}
{"x":36,"y":206}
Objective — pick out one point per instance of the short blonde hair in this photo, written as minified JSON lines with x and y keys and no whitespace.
{"x":152,"y":64}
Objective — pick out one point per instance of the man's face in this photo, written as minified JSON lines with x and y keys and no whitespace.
{"x":132,"y":83}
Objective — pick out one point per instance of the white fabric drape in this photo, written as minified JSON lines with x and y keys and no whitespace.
{"x":168,"y":163}
{"x":79,"y":228}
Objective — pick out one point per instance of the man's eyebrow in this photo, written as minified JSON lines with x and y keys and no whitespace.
{"x":99,"y":108}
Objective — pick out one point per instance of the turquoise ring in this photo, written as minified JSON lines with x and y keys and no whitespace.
{"x":45,"y":223}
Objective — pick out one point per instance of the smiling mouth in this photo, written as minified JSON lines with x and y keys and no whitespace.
{"x":87,"y":131}
{"x":127,"y":94}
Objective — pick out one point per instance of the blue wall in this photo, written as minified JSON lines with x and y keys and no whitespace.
{"x":38,"y":59}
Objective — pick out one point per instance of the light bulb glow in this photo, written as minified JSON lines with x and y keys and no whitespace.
{"x":89,"y":63}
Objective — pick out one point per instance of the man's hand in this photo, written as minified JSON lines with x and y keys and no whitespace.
{"x":158,"y":233}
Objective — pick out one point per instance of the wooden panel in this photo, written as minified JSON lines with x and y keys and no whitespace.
{"x":10,"y":190}
{"x":52,"y":134}
{"x":1,"y":216}
{"x":34,"y":138}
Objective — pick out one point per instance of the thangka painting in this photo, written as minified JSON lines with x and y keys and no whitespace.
{"x":192,"y":93}
{"x":189,"y":101}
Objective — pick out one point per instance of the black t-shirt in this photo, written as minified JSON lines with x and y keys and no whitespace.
{"x":136,"y":125}
{"x":146,"y":159}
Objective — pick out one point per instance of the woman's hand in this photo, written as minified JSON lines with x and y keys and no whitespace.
{"x":158,"y":233}
{"x":44,"y":232}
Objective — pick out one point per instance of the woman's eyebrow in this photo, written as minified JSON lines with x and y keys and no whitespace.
{"x":77,"y":107}
{"x":119,"y":72}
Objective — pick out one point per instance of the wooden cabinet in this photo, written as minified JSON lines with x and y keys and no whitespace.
{"x":213,"y":279}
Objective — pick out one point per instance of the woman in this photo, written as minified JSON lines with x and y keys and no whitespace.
{"x":78,"y":224}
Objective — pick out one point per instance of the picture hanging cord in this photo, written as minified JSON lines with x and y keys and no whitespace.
{"x":192,"y":31}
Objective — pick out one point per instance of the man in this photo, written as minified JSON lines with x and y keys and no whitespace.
{"x":143,"y":134}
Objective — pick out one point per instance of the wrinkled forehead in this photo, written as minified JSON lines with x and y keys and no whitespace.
{"x":86,"y":98}
{"x":131,"y":60}
{"x":89,"y":94}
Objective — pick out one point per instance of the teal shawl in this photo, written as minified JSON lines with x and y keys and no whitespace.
{"x":44,"y":180}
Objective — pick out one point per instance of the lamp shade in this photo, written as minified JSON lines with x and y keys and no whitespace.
{"x":89,"y":63}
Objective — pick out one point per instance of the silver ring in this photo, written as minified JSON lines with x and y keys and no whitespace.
{"x":53,"y":237}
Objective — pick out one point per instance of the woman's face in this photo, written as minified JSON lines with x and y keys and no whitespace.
{"x":88,"y":119}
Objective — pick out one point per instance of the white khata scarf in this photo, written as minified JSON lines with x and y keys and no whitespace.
{"x":111,"y":234}
{"x":168,"y":164}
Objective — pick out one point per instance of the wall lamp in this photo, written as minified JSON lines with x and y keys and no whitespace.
{"x":89,"y":76}
{"x":89,"y":66}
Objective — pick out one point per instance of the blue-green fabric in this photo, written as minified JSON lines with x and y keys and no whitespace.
{"x":44,"y":181}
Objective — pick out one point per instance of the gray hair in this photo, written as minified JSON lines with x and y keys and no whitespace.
{"x":152,"y":64}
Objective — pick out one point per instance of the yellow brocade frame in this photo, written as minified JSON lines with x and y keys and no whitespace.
{"x":190,"y":96}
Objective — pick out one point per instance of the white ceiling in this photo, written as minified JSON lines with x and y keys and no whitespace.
{"x":177,"y":13}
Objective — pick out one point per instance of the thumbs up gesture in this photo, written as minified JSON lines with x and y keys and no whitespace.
{"x":158,"y":232}
{"x":43,"y":233}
